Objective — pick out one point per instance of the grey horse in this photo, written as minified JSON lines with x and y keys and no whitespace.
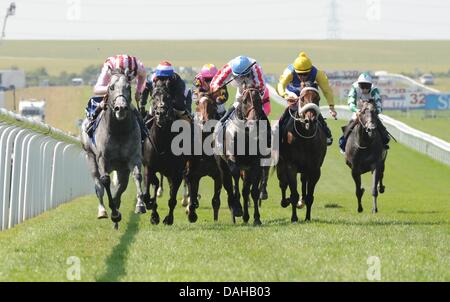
{"x":115,"y":146}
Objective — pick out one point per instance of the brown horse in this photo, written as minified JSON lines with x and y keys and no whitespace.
{"x":364,"y":152}
{"x":204,"y":164}
{"x":302,"y":150}
{"x":243,"y":153}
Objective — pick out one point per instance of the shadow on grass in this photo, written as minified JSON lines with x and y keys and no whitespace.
{"x":116,"y":261}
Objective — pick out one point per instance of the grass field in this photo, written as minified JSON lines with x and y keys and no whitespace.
{"x":73,"y":56}
{"x":410,"y":234}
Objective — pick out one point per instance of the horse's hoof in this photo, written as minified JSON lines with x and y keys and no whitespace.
{"x":184,"y":202}
{"x":160,"y":192}
{"x":381,"y":189}
{"x":154,"y":219}
{"x":102,"y":214}
{"x":374,"y":211}
{"x":360,"y":210}
{"x":237,"y":211}
{"x":300,"y":204}
{"x":264,"y":195}
{"x":294,"y":219}
{"x":168,"y":220}
{"x":257,"y":222}
{"x":308,"y":219}
{"x":116,"y":226}
{"x":192,"y":217}
{"x":198,"y":197}
{"x":285,"y":203}
{"x":245,"y":218}
{"x":140,"y":210}
{"x":116,"y":218}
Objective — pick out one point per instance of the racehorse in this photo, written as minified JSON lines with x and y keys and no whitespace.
{"x":364,"y":152}
{"x":303,"y":151}
{"x":243,"y":153}
{"x":204,"y":164}
{"x":158,"y":155}
{"x":115,"y":146}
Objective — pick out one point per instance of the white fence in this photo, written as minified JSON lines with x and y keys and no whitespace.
{"x":422,"y":142}
{"x":40,"y":168}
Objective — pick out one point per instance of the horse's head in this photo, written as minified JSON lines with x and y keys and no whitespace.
{"x":309,"y":104}
{"x":368,"y":116}
{"x":250,"y":105}
{"x":206,"y":107}
{"x":119,"y":95}
{"x":162,"y":103}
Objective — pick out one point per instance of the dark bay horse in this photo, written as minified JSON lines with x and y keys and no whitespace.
{"x":115,"y":146}
{"x":158,"y":155}
{"x":204,"y":163}
{"x":243,"y":153}
{"x":364,"y":152}
{"x":302,"y":150}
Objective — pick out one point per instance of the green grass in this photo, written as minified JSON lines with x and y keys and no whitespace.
{"x":410,"y":234}
{"x":438,"y":126}
{"x":73,"y":56}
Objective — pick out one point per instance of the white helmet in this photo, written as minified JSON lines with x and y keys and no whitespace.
{"x":364,"y":78}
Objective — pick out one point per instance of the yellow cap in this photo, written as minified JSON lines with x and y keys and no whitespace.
{"x":302,"y":64}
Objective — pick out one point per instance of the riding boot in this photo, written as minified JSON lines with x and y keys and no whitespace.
{"x":92,"y":118}
{"x":326,"y":129}
{"x":384,"y":134}
{"x":346,"y":130}
{"x":144,"y":132}
{"x":224,"y":118}
{"x":268,"y":130}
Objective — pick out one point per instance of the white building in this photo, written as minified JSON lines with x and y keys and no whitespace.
{"x":12,"y":78}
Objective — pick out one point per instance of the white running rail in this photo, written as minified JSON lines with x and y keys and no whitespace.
{"x":422,"y":142}
{"x":40,"y":168}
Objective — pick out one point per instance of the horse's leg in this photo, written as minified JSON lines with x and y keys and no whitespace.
{"x":359,"y":191}
{"x":174,"y":185}
{"x":122,"y":177}
{"x":216,"y":197}
{"x":99,"y":189}
{"x":236,"y":174}
{"x":185,"y":200}
{"x":193,"y":184}
{"x":147,"y":184}
{"x":245,"y":195}
{"x":160,"y":190}
{"x":375,"y":181}
{"x":116,"y":217}
{"x":283,"y":183}
{"x":137,"y":176}
{"x":291,"y":172}
{"x":152,"y":204}
{"x":313,"y":178}
{"x":381,"y":187}
{"x":256,"y":195}
{"x":265,"y":177}
{"x":301,"y":201}
{"x":227,"y":179}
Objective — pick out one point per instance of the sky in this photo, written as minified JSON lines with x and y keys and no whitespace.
{"x":230,"y":19}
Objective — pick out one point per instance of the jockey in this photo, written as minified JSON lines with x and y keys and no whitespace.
{"x":293,"y":80}
{"x":128,"y":65}
{"x":164,"y":71}
{"x":243,"y":69}
{"x":201,"y":84}
{"x":363,"y":89}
